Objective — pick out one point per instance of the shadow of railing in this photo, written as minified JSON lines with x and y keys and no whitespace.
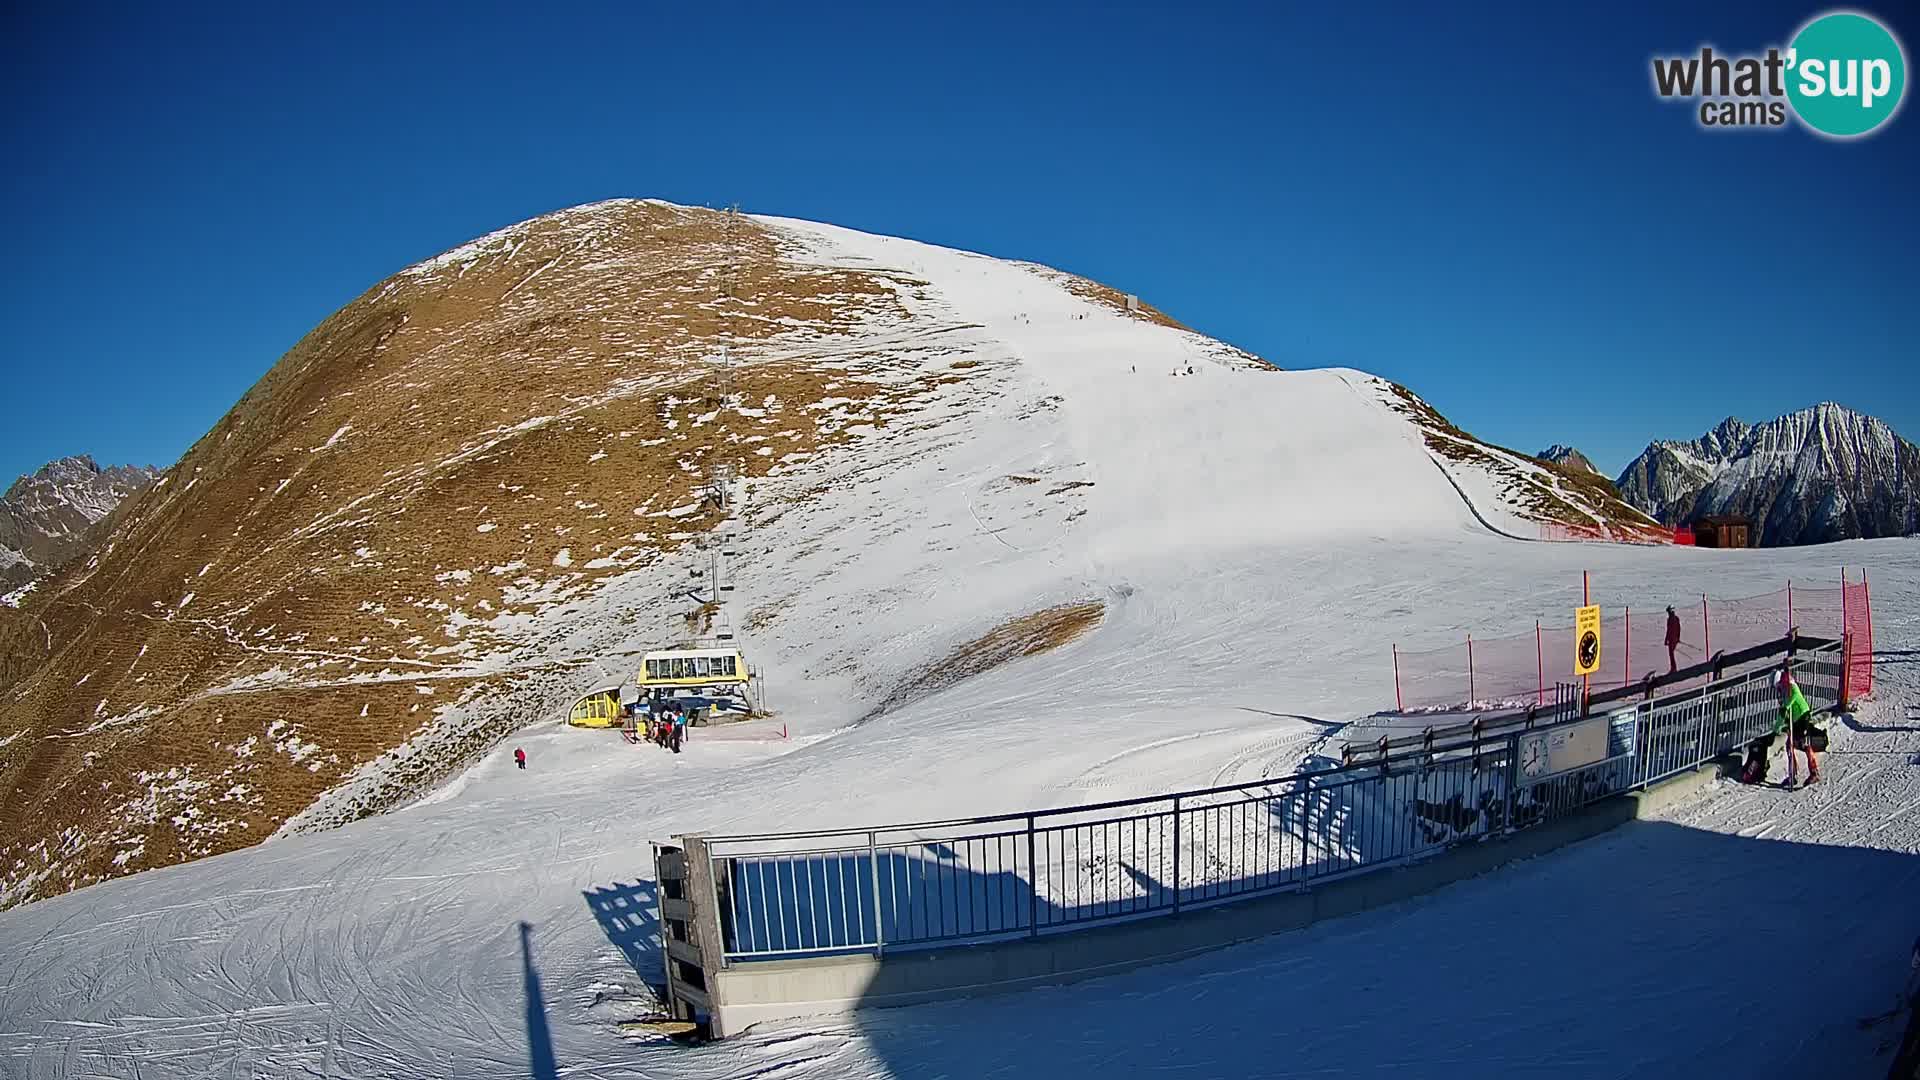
{"x":629,"y":915}
{"x":1853,"y":723}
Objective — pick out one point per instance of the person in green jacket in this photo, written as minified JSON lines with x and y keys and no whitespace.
{"x":1792,"y":720}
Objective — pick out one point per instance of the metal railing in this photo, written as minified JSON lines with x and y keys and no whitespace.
{"x":1049,"y":871}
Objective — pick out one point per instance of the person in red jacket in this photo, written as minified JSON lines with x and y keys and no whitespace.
{"x":519,"y":757}
{"x":1673,"y":639}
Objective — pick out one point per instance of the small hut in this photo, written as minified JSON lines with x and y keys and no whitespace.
{"x":1723,"y":531}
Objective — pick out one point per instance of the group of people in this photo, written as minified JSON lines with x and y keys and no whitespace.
{"x":665,"y":728}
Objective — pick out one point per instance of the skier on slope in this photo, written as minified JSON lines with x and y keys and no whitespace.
{"x":519,"y":757}
{"x":1673,"y":639}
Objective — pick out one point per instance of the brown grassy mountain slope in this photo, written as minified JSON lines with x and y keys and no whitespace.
{"x":495,"y":429}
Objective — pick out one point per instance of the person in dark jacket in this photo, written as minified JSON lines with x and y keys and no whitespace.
{"x":1673,"y":639}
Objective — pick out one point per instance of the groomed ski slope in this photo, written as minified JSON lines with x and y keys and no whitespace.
{"x":1258,"y":539}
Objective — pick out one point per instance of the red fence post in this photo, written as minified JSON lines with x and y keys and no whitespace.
{"x":1789,"y":605}
{"x":1586,"y":681}
{"x":1846,"y":664}
{"x":1540,"y":661}
{"x":1399,"y":705}
{"x":1706,"y":626}
{"x":1846,"y":642}
{"x":1866,"y":594}
{"x":1626,"y":652}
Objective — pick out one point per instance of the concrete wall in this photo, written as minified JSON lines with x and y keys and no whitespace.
{"x":749,"y":993}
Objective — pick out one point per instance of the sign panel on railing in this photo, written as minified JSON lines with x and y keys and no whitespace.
{"x":1564,"y":748}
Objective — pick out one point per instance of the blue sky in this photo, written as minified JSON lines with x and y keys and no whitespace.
{"x":1486,"y":203}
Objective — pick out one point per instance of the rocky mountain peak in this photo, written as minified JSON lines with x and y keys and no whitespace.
{"x":1560,"y":454}
{"x":45,"y":515}
{"x":1823,"y":473}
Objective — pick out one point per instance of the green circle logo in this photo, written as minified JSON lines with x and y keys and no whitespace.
{"x":1846,"y":74}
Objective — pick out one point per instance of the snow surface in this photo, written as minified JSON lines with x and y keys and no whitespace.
{"x":1258,"y":539}
{"x":334,"y":438}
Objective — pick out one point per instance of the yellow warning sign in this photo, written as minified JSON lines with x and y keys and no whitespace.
{"x":1586,"y":640}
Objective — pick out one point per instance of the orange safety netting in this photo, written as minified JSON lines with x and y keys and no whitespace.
{"x":1857,"y":605}
{"x":1521,"y":669}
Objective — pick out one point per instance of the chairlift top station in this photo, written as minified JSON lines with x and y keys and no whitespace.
{"x":704,"y":673}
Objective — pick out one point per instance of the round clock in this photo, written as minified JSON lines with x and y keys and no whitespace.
{"x":1533,"y":755}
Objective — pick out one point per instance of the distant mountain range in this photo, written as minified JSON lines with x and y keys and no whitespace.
{"x":1820,"y":474}
{"x":46,"y":517}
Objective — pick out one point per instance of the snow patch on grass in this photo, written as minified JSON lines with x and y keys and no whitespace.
{"x":333,"y":439}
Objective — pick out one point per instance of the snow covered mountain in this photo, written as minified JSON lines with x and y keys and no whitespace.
{"x":1667,"y":473}
{"x":1817,"y":475}
{"x":997,"y":555}
{"x":1568,"y":457}
{"x":45,"y":517}
{"x":479,"y":490}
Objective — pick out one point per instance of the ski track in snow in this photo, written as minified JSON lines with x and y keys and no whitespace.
{"x":1251,"y":583}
